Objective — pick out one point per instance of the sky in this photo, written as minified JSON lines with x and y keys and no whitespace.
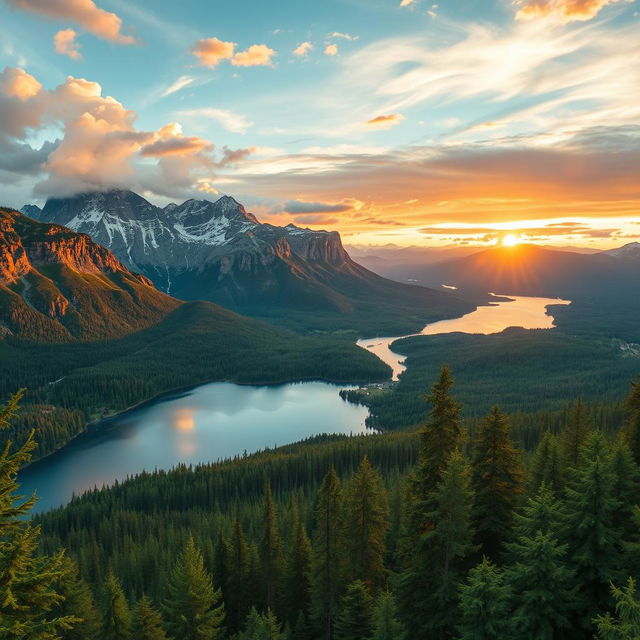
{"x":391,"y":121}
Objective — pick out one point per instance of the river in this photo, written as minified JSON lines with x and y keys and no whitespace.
{"x":210,"y":422}
{"x":517,"y":311}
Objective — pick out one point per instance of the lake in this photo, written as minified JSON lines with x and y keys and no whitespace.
{"x":517,"y":311}
{"x":203,"y":424}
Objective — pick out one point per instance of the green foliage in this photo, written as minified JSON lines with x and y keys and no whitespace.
{"x":574,"y":434}
{"x":146,"y":622}
{"x":355,"y":621}
{"x":29,"y":582}
{"x":547,"y":466}
{"x":386,"y":625}
{"x":297,"y":592}
{"x":496,"y":484}
{"x":192,"y":607}
{"x":115,"y":611}
{"x":484,"y":604}
{"x":625,"y":625}
{"x":271,"y":563}
{"x":261,"y":627}
{"x":365,"y":524}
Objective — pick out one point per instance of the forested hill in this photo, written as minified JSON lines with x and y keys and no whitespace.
{"x":405,"y":535}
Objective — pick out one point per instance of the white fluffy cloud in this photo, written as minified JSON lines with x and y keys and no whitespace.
{"x":303,"y":49}
{"x":210,"y":52}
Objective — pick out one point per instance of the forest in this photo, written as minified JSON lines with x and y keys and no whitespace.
{"x":462,"y":529}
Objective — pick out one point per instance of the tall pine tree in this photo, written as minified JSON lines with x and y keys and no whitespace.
{"x":297,"y":594}
{"x":115,"y":610}
{"x":386,"y":625}
{"x":355,"y":621}
{"x":146,"y":622}
{"x":496,"y":484}
{"x":574,"y":434}
{"x":270,"y":550}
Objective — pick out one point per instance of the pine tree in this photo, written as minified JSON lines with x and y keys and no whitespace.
{"x":574,"y":434}
{"x":298,"y":572}
{"x":147,"y":622}
{"x":28,"y":591}
{"x":496,"y":483}
{"x":386,"y":625}
{"x":115,"y":610}
{"x":429,"y":588}
{"x":593,"y":541}
{"x":302,"y":629}
{"x":632,"y":429}
{"x":365,"y":524}
{"x":626,"y":488}
{"x":270,"y":550}
{"x":325,"y":556}
{"x":192,"y":607}
{"x":261,"y":627}
{"x":78,"y":603}
{"x":626,"y":624}
{"x":236,"y":597}
{"x":541,"y":588}
{"x":542,"y":512}
{"x":484,"y":604}
{"x":355,"y":621}
{"x":547,"y":465}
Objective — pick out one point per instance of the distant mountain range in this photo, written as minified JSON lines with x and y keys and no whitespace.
{"x":217,"y":251}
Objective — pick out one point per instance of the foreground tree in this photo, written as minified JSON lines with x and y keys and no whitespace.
{"x":496,"y":484}
{"x":355,"y":621}
{"x":193,"y":606}
{"x":574,"y":434}
{"x":632,"y":429}
{"x":365,"y":525}
{"x":115,"y":610}
{"x":270,"y":550}
{"x":547,"y":465}
{"x":297,"y":583}
{"x":29,"y":582}
{"x":484,"y":604}
{"x":147,"y":622}
{"x":261,"y":627}
{"x":386,"y":625}
{"x":625,"y":625}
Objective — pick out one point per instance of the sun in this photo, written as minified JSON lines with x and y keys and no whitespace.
{"x":510,"y":240}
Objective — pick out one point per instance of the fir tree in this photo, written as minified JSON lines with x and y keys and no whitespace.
{"x":236,"y":596}
{"x":386,"y":625}
{"x":365,"y":524}
{"x":326,"y":552}
{"x":429,"y":588}
{"x":301,"y":629}
{"x":542,"y":512}
{"x":355,"y":621}
{"x":484,"y":604}
{"x":270,"y":550}
{"x":547,"y":465}
{"x":574,"y":434}
{"x":298,"y":571}
{"x":28,"y":591}
{"x":147,"y":622}
{"x":632,"y":429}
{"x":541,"y":587}
{"x":626,"y":488}
{"x":496,"y":483}
{"x":261,"y":627}
{"x":78,"y":603}
{"x":626,"y":623}
{"x":593,"y":541}
{"x":115,"y":610}
{"x":193,"y":608}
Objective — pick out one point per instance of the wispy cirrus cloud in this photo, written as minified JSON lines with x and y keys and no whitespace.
{"x":386,"y":121}
{"x":85,"y":13}
{"x":178,"y":85}
{"x":231,"y":121}
{"x":562,"y":11}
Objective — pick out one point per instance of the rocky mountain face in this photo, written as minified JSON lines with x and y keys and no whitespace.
{"x":59,"y":285}
{"x":629,"y":251}
{"x":218,"y":251}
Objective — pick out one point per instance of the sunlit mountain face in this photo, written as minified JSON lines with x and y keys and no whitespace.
{"x":459,"y":123}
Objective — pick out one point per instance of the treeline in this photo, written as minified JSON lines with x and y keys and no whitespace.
{"x":368,"y":538}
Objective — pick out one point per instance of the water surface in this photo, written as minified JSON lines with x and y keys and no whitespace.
{"x":517,"y":311}
{"x":207,"y":423}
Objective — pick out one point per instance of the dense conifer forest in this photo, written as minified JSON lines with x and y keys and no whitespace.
{"x":496,"y":527}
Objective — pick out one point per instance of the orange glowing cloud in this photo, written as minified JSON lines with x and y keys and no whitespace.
{"x":386,"y":121}
{"x":85,"y":13}
{"x":257,"y":55}
{"x":17,"y":83}
{"x":211,"y":51}
{"x":65,"y":44}
{"x":563,"y":10}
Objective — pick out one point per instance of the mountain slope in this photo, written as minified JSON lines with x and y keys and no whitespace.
{"x":57,"y":285}
{"x":218,"y":251}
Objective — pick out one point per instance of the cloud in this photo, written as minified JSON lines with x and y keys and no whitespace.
{"x":232,"y":157}
{"x":100,"y":147}
{"x":178,"y":85}
{"x":562,"y":10}
{"x":299,"y":206}
{"x":256,"y":55}
{"x":344,"y":36}
{"x":303,"y":49}
{"x":65,"y":44}
{"x":386,"y":121}
{"x":211,"y":51}
{"x":233,"y":122}
{"x":85,"y":13}
{"x":316,"y":219}
{"x":408,"y":3}
{"x":331,"y":50}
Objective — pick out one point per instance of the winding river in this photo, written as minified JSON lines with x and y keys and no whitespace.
{"x":516,"y":311}
{"x":221,"y":420}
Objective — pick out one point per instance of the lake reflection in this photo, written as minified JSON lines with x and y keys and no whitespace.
{"x":210,"y":422}
{"x":518,"y":311}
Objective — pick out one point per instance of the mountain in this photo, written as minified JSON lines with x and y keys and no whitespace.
{"x":533,"y":270}
{"x":32,"y":210}
{"x":628,"y":251}
{"x":217,"y":251}
{"x":58,"y":285}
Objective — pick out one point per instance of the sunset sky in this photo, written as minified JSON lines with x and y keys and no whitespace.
{"x":391,"y":121}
